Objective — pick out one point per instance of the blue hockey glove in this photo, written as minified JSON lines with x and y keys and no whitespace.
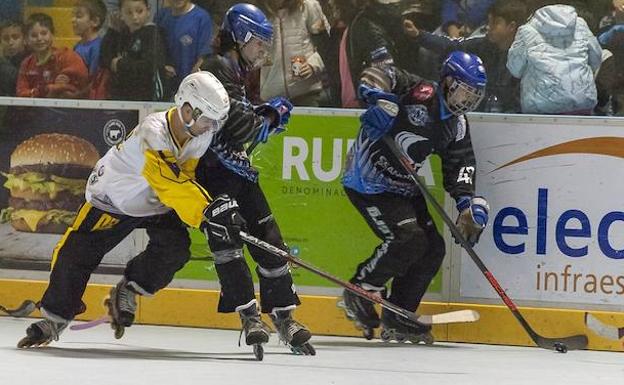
{"x":605,"y":37}
{"x":379,"y":119}
{"x":472,"y":218}
{"x":278,"y":110}
{"x":370,"y":95}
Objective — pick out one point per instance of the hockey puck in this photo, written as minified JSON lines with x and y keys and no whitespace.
{"x":561,"y":348}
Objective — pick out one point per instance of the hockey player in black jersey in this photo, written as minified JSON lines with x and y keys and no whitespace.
{"x":423,"y":118}
{"x":245,"y":39}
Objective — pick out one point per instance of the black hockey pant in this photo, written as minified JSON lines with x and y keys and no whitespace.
{"x":412,"y":249}
{"x":93,"y":234}
{"x":237,"y":290}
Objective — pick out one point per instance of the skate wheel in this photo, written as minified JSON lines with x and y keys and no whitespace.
{"x":258,"y":352}
{"x":386,"y":336}
{"x":400,"y":338}
{"x":428,"y":339}
{"x":368,"y":333}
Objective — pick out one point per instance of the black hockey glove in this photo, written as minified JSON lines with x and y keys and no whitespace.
{"x":222,"y":224}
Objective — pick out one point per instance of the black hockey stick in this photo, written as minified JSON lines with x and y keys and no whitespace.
{"x":560,"y":344}
{"x":24,"y":310}
{"x":450,"y":317}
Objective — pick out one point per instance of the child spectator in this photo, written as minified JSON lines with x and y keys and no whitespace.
{"x":555,"y":55}
{"x":135,"y":56}
{"x":87,"y":20}
{"x":295,"y":68}
{"x":462,"y":17}
{"x":12,"y":52}
{"x":188,"y":29}
{"x":504,"y":18}
{"x":49,"y":72}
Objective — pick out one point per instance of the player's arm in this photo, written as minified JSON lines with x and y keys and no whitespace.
{"x":459,"y":172}
{"x":246,"y":122}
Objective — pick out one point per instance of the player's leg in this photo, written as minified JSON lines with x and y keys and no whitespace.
{"x":75,"y":257}
{"x":277,"y":291}
{"x":408,"y":289}
{"x":393,"y":219}
{"x":167,"y":251}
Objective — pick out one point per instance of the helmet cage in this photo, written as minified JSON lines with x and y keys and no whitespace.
{"x":462,"y":98}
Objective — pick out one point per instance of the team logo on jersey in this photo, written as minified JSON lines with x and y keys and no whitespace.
{"x":114,"y":132}
{"x":417,"y":114}
{"x":186,"y":40}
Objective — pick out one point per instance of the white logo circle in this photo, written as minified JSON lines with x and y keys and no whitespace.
{"x":114,"y":132}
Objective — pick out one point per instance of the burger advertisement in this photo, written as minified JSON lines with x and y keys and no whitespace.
{"x":46,"y":180}
{"x":46,"y":157}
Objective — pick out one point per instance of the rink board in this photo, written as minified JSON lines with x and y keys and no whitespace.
{"x":196,"y":308}
{"x":529,"y":167}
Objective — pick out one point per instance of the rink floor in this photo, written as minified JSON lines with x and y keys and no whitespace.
{"x":158,"y":355}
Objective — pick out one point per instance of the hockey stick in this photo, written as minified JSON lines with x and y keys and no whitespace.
{"x":24,"y":310}
{"x":450,"y":317}
{"x":560,"y":344}
{"x":602,"y":329}
{"x":90,"y":324}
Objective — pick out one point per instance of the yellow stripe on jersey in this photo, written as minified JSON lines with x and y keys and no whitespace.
{"x":175,"y":187}
{"x":82,"y":214}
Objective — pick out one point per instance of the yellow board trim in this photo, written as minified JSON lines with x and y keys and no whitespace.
{"x":197,"y":308}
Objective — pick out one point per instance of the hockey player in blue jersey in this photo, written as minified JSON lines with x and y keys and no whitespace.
{"x":423,"y":118}
{"x":244,"y":41}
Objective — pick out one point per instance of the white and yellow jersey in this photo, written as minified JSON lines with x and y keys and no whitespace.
{"x":150,"y":173}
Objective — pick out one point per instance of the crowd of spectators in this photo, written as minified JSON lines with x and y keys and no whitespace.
{"x":544,"y":57}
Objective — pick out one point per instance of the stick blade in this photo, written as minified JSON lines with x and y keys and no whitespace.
{"x":90,"y":324}
{"x":458,"y":316}
{"x":24,"y":310}
{"x":576,"y":342}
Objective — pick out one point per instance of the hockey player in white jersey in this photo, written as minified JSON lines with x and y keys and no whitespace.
{"x":147,"y":181}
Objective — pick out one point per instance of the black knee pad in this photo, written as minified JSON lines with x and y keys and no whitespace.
{"x":236,"y":285}
{"x":277,"y":290}
{"x":411,"y":240}
{"x":267,"y":230}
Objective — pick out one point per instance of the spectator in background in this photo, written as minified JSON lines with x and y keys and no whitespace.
{"x":88,"y":18}
{"x":188,"y":30}
{"x":462,"y":17}
{"x":12,"y":53}
{"x":294,"y":68}
{"x":504,"y":18}
{"x":135,"y":56}
{"x":555,"y":55}
{"x":369,"y":41}
{"x":610,"y":79}
{"x":49,"y":72}
{"x":114,"y":15}
{"x":11,"y":10}
{"x":216,"y":9}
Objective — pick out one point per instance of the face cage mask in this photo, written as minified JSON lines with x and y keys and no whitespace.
{"x":462,"y":98}
{"x":203,"y":123}
{"x":258,"y":55}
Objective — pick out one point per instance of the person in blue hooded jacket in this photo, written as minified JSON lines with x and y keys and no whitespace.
{"x":555,"y":56}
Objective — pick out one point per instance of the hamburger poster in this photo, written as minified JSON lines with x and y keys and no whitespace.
{"x":46,"y":156}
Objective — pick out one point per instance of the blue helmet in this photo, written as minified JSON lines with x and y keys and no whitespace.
{"x":244,"y":21}
{"x":467,"y":89}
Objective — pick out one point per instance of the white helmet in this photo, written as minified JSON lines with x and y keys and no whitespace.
{"x":205,"y":94}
